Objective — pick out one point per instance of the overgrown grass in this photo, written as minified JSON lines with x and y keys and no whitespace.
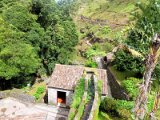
{"x":117,"y":108}
{"x":81,"y":110}
{"x":98,"y":100}
{"x":39,"y":92}
{"x":77,"y":98}
{"x":103,"y":116}
{"x":131,"y":86}
{"x":120,"y":76}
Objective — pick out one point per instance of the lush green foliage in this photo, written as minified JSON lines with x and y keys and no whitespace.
{"x":148,"y":23}
{"x":77,"y":97}
{"x":34,"y":36}
{"x":124,"y":61}
{"x":17,"y":58}
{"x":131,"y":87}
{"x":80,"y":110}
{"x":91,"y":63}
{"x":119,"y":108}
{"x":98,"y":100}
{"x":139,"y":36}
{"x":79,"y":90}
{"x":108,"y":105}
{"x":103,"y":116}
{"x":92,"y":52}
{"x":39,"y":92}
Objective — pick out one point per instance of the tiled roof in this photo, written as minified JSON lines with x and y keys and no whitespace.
{"x":67,"y":76}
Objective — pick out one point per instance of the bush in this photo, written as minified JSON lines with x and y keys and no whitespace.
{"x":124,"y":114}
{"x":131,"y":87}
{"x":79,"y":91}
{"x":108,"y":105}
{"x":37,"y":96}
{"x":77,"y":98}
{"x":80,"y":111}
{"x":94,"y":51}
{"x":108,"y":47}
{"x":123,"y":104}
{"x":91,"y":63}
{"x":125,"y":61}
{"x":119,"y":108}
{"x":39,"y":92}
{"x":103,"y":116}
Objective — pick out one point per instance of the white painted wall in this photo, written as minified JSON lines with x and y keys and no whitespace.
{"x":52,"y":96}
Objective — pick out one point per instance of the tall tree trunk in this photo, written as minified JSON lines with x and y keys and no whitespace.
{"x":151,"y":61}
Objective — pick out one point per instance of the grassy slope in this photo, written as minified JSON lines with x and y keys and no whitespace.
{"x":117,"y":14}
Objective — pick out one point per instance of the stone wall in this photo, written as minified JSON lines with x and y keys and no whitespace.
{"x":116,"y":90}
{"x":95,"y":107}
{"x":52,"y":96}
{"x":18,"y":95}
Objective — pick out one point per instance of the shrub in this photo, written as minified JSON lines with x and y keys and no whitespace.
{"x":91,"y":63}
{"x":124,"y":114}
{"x":108,"y":105}
{"x":106,"y":30}
{"x":123,"y":104}
{"x":125,"y":61}
{"x":37,"y":96}
{"x":117,"y":107}
{"x":80,"y":111}
{"x":103,"y":116}
{"x":108,"y":47}
{"x":131,"y":87}
{"x":39,"y":92}
{"x":94,"y":51}
{"x":79,"y":91}
{"x":77,"y":97}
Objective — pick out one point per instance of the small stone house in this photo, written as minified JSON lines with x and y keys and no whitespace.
{"x":64,"y":79}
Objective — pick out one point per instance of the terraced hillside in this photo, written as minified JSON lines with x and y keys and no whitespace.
{"x":101,"y":22}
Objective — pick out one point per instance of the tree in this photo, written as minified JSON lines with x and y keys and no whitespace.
{"x":151,"y":61}
{"x":147,"y":24}
{"x":41,"y":29}
{"x":19,"y":16}
{"x":16,"y":57}
{"x":60,"y":33}
{"x":125,"y":61}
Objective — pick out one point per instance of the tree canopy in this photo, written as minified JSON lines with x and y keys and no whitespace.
{"x":140,"y":34}
{"x":34,"y":36}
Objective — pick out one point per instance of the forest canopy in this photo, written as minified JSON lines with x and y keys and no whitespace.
{"x":34,"y":36}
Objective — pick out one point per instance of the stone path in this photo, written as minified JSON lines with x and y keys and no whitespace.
{"x":12,"y":109}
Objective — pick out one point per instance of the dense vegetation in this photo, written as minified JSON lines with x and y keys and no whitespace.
{"x":140,"y":36}
{"x":34,"y":36}
{"x":77,"y":98}
{"x":37,"y":34}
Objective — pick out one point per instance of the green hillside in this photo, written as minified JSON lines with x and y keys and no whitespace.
{"x":105,"y":19}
